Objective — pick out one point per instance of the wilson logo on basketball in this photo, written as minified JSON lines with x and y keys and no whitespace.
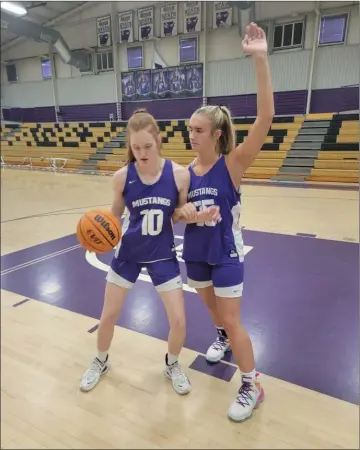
{"x":105,"y":225}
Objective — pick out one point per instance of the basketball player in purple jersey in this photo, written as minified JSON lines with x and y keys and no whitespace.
{"x":150,"y":188}
{"x":213,"y":251}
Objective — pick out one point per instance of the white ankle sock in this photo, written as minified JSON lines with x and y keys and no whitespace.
{"x":102,"y":356}
{"x":171,"y":359}
{"x":249,"y":376}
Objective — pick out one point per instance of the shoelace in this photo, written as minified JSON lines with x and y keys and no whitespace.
{"x":96,"y":367}
{"x":245,"y":394}
{"x":177,"y":370}
{"x":220,"y":343}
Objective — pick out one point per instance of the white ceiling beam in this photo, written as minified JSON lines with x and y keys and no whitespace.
{"x":53,"y":21}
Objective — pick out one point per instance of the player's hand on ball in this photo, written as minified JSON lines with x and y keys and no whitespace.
{"x":188,"y":212}
{"x":254,"y":42}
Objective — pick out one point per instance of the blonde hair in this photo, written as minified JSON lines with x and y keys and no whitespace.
{"x":220,"y":118}
{"x":140,"y":120}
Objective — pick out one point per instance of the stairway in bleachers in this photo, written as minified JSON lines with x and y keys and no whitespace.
{"x":304,"y":151}
{"x":323,"y":140}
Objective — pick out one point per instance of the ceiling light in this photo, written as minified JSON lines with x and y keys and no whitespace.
{"x":13,"y":8}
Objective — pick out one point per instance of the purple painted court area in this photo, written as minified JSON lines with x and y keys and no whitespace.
{"x":300,"y":304}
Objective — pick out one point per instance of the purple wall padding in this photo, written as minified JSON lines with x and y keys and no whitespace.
{"x":335,"y":100}
{"x":286,"y":103}
{"x":164,"y":109}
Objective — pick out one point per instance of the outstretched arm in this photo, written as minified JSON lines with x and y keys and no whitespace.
{"x":241,"y":158}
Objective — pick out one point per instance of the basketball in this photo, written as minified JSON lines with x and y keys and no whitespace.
{"x":98,"y":231}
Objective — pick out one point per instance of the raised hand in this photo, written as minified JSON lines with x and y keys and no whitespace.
{"x":254,"y":41}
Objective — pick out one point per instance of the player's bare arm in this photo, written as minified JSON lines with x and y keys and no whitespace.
{"x":187,"y":211}
{"x":241,"y":158}
{"x":182,"y":180}
{"x":118,"y":204}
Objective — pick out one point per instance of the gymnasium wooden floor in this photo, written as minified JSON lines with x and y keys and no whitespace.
{"x":301,"y":307}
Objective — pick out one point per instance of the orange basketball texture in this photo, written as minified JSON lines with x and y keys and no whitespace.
{"x":98,"y":231}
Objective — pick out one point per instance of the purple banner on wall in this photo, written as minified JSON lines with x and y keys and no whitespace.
{"x":128,"y":86}
{"x":143,"y":84}
{"x":160,"y":83}
{"x":170,"y":82}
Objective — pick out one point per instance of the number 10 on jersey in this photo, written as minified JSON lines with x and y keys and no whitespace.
{"x":152,"y":222}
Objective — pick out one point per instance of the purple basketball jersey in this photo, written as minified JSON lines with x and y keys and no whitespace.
{"x":210,"y":242}
{"x":148,"y":233}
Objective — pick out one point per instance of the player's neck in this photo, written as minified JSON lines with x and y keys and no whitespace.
{"x":207,"y":158}
{"x":151,"y":170}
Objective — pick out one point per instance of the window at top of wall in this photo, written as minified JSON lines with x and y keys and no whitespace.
{"x":288,"y":35}
{"x":11,"y":73}
{"x":46,"y":68}
{"x":104,"y":61}
{"x":188,"y":49}
{"x":333,"y":29}
{"x":135,"y":57}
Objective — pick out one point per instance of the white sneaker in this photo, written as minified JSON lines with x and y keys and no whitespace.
{"x":92,"y":376}
{"x":180,"y":381}
{"x":217,"y":350}
{"x":249,"y":397}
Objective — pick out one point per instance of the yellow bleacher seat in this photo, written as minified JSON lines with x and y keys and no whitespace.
{"x":329,"y":166}
{"x":336,"y":164}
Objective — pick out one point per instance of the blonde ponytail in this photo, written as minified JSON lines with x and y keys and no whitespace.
{"x":227,"y":140}
{"x":220,"y":118}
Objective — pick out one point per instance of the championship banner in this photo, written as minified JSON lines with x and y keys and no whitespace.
{"x":128,"y":86}
{"x":146,"y":23}
{"x":172,"y":82}
{"x":126,"y":27}
{"x":222,"y":16}
{"x":169,"y":19}
{"x":192,"y":17}
{"x":103,"y":31}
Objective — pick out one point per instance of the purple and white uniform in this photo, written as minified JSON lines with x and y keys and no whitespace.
{"x":148,"y":237}
{"x":214,"y":252}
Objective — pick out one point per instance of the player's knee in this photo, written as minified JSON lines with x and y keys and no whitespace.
{"x":178,"y":324}
{"x":109,"y":318}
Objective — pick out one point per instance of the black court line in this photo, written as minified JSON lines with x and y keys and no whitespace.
{"x":94,"y":328}
{"x":21,"y":302}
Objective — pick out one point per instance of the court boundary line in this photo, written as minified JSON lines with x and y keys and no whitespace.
{"x":40,"y":259}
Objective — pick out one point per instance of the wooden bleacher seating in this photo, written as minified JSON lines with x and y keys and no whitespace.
{"x":337,"y":160}
{"x":176,"y":145}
